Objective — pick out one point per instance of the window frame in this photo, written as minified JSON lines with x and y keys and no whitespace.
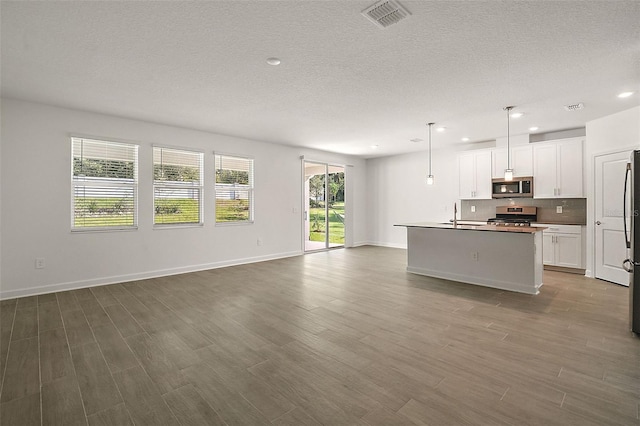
{"x":133,"y":186}
{"x":199,"y":188}
{"x":249,"y":188}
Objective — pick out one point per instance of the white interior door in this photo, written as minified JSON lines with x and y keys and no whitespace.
{"x":610,"y":248}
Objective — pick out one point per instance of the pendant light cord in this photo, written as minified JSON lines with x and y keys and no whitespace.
{"x":430,"y":124}
{"x":508,"y":137}
{"x":508,"y":109}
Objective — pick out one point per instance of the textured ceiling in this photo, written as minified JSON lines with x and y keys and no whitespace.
{"x":344,"y":84}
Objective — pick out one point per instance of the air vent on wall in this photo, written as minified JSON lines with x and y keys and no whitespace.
{"x":385,"y":13}
{"x":574,"y":107}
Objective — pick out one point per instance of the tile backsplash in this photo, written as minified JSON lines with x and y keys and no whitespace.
{"x":574,"y":210}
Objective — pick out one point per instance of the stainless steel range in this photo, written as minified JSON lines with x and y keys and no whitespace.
{"x":514,"y":216}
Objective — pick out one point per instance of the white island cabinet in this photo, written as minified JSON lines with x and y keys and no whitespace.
{"x":507,"y":258}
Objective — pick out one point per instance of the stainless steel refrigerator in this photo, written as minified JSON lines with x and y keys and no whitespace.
{"x":632,"y":237}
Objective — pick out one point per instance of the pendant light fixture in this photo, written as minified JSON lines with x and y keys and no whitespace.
{"x":430,"y":176}
{"x":508,"y":173}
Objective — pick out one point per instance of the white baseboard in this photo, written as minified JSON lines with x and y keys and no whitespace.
{"x":74,"y":285}
{"x":485,"y":282}
{"x":361,"y":243}
{"x":383,"y":244}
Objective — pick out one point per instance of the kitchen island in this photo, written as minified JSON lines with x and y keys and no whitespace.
{"x":504,"y":257}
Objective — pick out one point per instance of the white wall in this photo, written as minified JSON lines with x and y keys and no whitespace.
{"x":398,"y":193}
{"x":36,"y":204}
{"x":612,"y":133}
{"x":1,"y":127}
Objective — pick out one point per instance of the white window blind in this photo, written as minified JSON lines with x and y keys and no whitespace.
{"x":234,"y":189}
{"x":104,"y":184}
{"x":177,"y":186}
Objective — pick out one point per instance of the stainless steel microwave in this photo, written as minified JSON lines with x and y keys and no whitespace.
{"x":519,"y":187}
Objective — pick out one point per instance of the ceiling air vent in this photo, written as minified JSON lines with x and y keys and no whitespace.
{"x":416,"y":140}
{"x":386,"y":13}
{"x":574,"y":107}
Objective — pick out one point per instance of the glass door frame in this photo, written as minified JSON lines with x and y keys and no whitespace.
{"x":307,"y":244}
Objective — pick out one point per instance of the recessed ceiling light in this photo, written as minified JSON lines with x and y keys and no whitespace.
{"x":465,"y":139}
{"x":374,"y":146}
{"x":517,"y":115}
{"x":441,"y":129}
{"x":273,"y":61}
{"x":533,"y":129}
{"x":625,"y":94}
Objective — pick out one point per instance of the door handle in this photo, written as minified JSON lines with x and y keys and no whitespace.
{"x":627,"y":265}
{"x":598,"y":222}
{"x":627,"y":238}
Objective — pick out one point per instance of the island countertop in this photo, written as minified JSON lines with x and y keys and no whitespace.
{"x":485,"y":227}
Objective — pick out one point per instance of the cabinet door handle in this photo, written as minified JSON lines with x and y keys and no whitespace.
{"x":598,"y":222}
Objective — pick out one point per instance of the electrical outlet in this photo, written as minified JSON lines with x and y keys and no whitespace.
{"x":259,"y":241}
{"x":558,"y":209}
{"x":474,"y":255}
{"x":39,"y":262}
{"x":473,"y":209}
{"x":295,"y":210}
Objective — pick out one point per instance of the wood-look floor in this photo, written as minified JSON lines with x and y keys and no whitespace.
{"x":344,"y":337}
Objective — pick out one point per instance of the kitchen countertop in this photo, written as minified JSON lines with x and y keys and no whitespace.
{"x":485,"y":227}
{"x":472,"y":221}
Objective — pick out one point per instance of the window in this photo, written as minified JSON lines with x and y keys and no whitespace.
{"x":234,"y":189}
{"x":104,"y":184}
{"x":177,"y":186}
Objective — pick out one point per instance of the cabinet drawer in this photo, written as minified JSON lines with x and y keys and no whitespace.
{"x":561,"y":229}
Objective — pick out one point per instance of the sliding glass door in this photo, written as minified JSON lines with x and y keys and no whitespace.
{"x":324,"y":206}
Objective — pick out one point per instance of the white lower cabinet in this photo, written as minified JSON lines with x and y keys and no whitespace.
{"x":562,"y":246}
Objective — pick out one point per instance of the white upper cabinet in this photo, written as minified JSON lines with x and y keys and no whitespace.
{"x":545,"y":171}
{"x":474,"y":170}
{"x":498,"y":162}
{"x":557,"y":169}
{"x":570,"y":165}
{"x":521,"y":161}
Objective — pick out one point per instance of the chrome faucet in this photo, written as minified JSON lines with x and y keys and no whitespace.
{"x":455,"y":215}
